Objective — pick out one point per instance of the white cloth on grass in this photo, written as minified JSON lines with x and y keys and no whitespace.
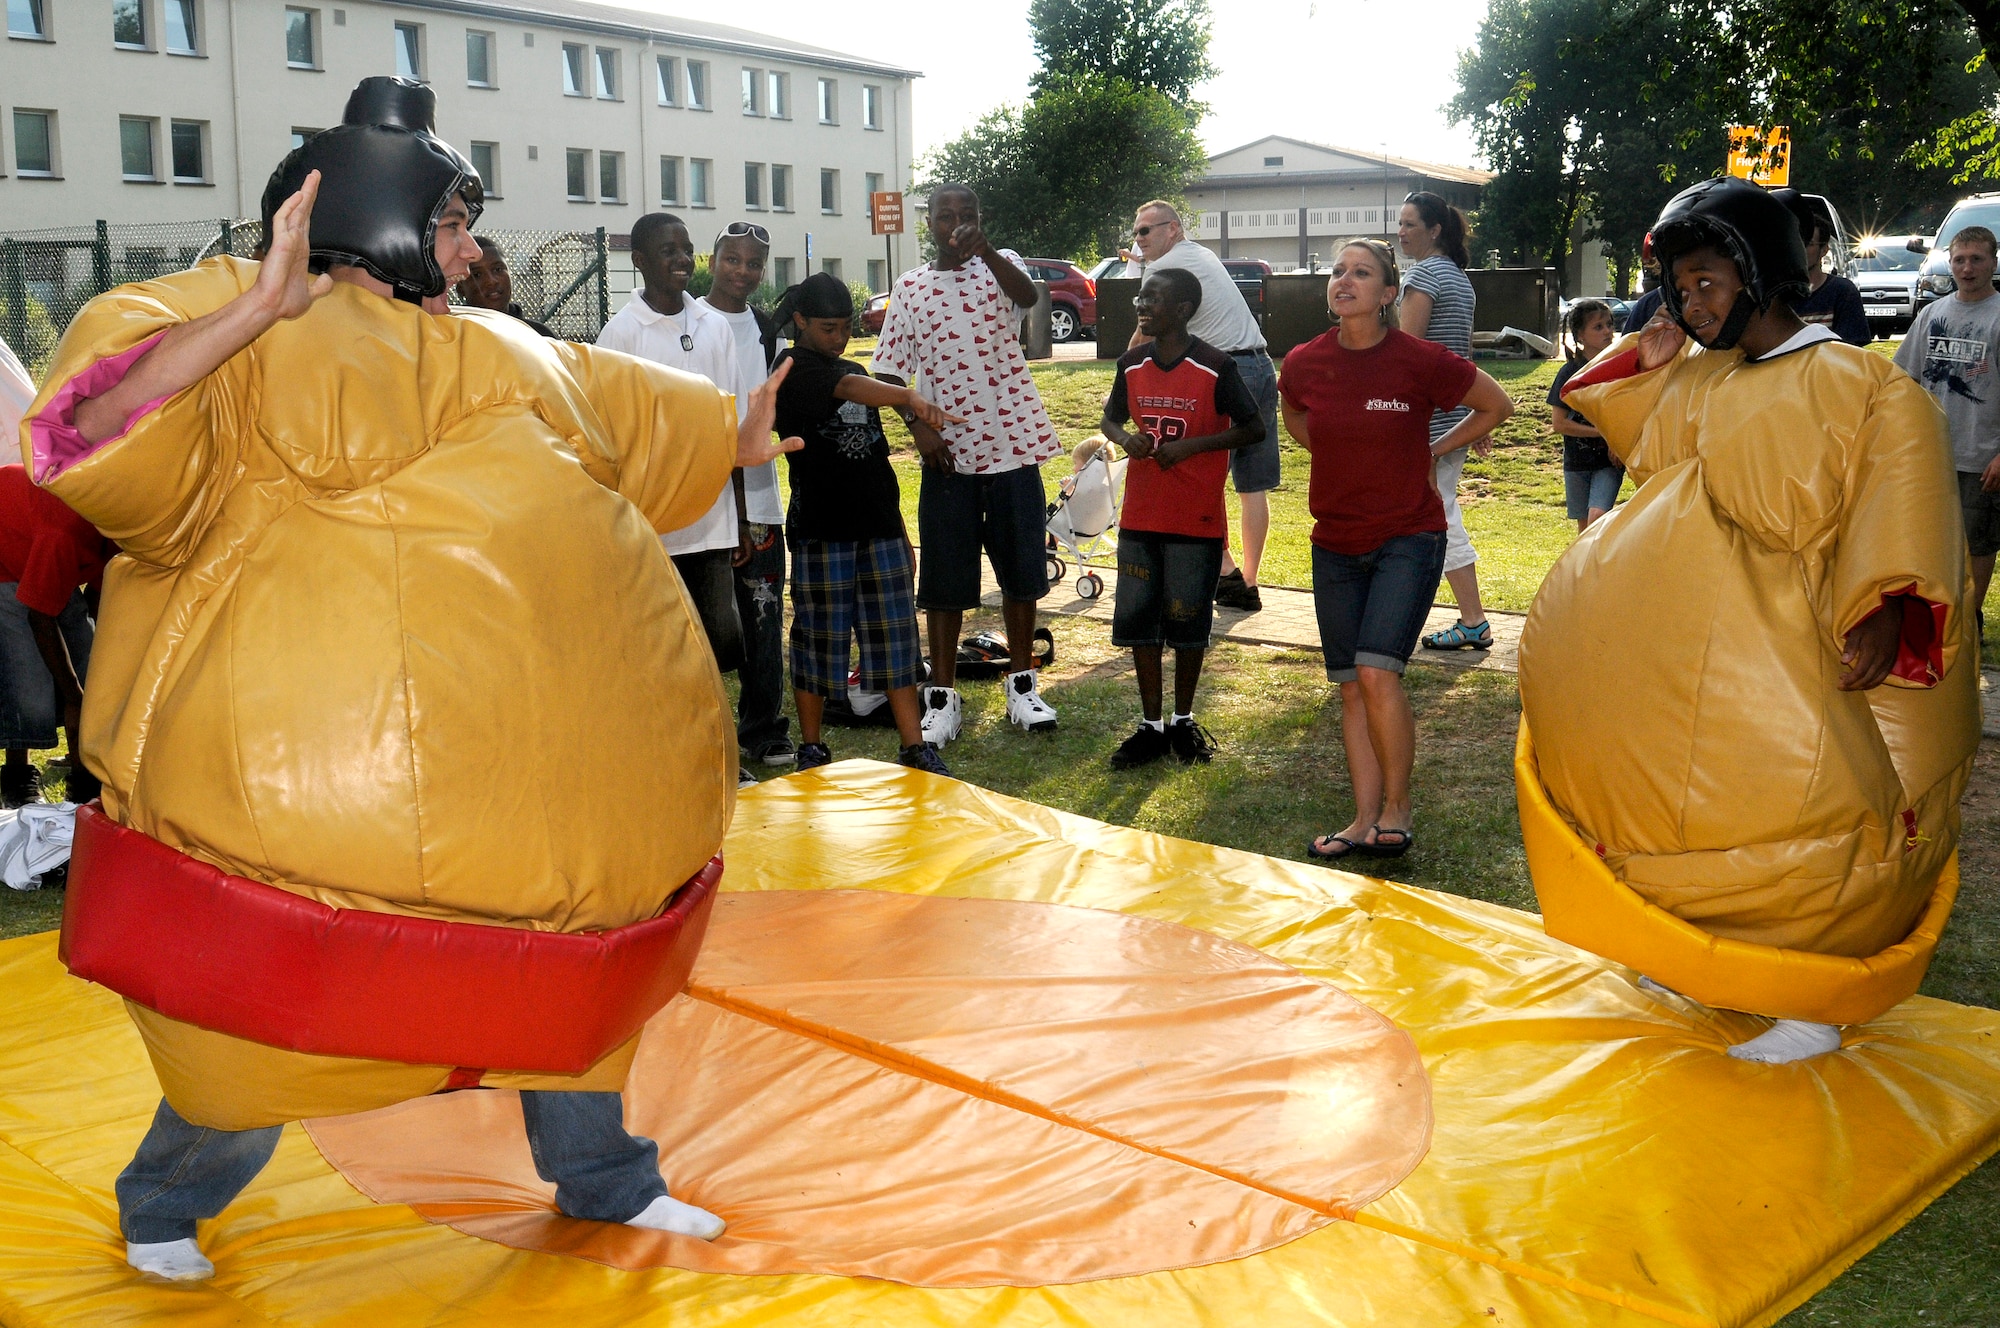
{"x":34,"y":839}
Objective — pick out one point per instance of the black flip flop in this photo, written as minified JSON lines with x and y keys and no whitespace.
{"x":1353,"y":849}
{"x":1375,"y":848}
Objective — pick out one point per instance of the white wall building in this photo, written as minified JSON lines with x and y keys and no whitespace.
{"x":1285,"y":200}
{"x":578,"y":115}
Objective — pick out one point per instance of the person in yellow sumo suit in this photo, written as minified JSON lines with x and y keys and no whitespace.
{"x":1750,"y":694}
{"x":393,"y":651}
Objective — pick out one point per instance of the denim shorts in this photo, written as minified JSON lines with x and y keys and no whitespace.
{"x":958,"y":515}
{"x":1587,"y":489}
{"x":1372,"y":606}
{"x":1256,"y":469}
{"x":29,"y":712}
{"x":1166,"y":590}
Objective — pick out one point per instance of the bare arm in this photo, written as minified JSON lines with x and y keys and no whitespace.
{"x":931,"y":446}
{"x":1490,"y":406}
{"x":1295,"y":422}
{"x":1174,"y":450}
{"x":904,"y":400}
{"x":1565,"y":424}
{"x":1414,"y":313}
{"x":285,"y":289}
{"x":1020,"y":287}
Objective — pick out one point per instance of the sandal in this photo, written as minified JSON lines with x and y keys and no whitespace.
{"x":1348,"y":848}
{"x":1460,"y":637}
{"x":1375,"y":848}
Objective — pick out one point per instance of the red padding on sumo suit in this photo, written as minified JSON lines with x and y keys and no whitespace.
{"x":240,"y":957}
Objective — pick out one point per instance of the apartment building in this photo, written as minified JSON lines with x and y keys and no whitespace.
{"x":1287,"y":201}
{"x":578,"y":115}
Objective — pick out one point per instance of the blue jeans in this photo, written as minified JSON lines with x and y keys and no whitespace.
{"x":186,"y":1173}
{"x":1372,"y":606}
{"x":1257,"y":469}
{"x":760,"y":604}
{"x":29,"y":714}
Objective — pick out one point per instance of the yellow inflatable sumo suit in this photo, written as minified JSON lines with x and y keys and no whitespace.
{"x":1700,"y":798}
{"x":393,"y":631}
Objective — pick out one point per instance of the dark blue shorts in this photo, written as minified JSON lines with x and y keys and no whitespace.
{"x":958,"y":515}
{"x":1372,"y":606}
{"x":1166,"y":590}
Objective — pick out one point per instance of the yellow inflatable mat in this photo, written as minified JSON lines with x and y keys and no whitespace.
{"x":1593,"y":1158}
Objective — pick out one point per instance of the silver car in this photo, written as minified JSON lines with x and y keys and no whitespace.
{"x":1885,"y":270}
{"x":1934,"y":278}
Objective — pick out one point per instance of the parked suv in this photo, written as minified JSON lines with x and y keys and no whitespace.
{"x":1072,"y":298}
{"x":1884,"y":269}
{"x":1934,"y":277}
{"x":1249,"y":274}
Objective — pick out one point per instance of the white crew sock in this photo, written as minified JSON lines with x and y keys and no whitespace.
{"x":1788,"y":1040}
{"x":669,"y":1214}
{"x":175,"y":1260}
{"x":1188,"y":718}
{"x":1156,"y":725}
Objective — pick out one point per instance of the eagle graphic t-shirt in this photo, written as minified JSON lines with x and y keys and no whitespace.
{"x":843,"y":487}
{"x":955,"y":336}
{"x":1951,"y":349}
{"x":1368,"y":428}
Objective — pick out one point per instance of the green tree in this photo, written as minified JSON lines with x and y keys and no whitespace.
{"x":1163,"y":46}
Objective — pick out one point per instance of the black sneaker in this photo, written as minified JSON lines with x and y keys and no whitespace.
{"x":923,"y":756}
{"x":1190,"y":741}
{"x":1142,"y":748}
{"x":775,"y":752}
{"x":1231,"y":593}
{"x":813,"y":754}
{"x":20,"y":785}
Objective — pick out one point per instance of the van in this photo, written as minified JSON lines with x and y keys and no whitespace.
{"x":1934,"y":277}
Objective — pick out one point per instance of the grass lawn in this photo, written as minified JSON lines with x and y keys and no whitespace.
{"x":1279,"y":778}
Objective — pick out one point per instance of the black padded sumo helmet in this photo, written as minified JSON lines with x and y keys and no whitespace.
{"x":385,"y":178}
{"x":1746,"y":224}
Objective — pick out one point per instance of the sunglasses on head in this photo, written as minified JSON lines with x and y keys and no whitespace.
{"x":736,"y":230}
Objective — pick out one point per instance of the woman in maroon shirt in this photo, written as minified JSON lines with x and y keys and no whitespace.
{"x":1360,"y":399}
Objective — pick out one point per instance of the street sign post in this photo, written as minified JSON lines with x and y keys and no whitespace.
{"x":885,"y":218}
{"x":1760,"y":157}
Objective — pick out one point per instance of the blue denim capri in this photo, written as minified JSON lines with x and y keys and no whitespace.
{"x":1372,"y":606}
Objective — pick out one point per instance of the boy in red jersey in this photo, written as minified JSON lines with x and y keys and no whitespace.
{"x":1191,"y":409}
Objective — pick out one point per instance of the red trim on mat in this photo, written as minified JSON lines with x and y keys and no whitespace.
{"x":248,"y":959}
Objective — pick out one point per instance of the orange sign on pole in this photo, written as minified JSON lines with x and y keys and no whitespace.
{"x":885,"y":213}
{"x":1760,"y":157}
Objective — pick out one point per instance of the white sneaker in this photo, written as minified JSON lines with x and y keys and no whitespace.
{"x":1025,"y":705}
{"x":944,"y":715}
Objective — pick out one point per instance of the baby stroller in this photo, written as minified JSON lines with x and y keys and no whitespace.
{"x":1081,"y":519}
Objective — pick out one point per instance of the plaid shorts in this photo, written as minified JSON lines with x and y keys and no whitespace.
{"x":865,"y":589}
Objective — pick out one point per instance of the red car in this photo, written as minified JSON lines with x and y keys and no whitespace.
{"x":1072,"y":300}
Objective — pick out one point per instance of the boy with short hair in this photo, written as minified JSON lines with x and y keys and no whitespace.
{"x":736,"y":264}
{"x":954,"y":323}
{"x":1191,"y":407}
{"x":1951,"y":349}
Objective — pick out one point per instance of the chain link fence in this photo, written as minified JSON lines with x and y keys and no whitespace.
{"x":561,"y":278}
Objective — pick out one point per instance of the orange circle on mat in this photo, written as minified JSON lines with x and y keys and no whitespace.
{"x":955,"y":1092}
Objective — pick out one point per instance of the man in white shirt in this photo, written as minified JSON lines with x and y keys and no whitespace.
{"x":663,"y":324}
{"x":1224,"y":321}
{"x":737,"y":265}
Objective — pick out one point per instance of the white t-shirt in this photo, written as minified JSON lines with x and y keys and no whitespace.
{"x":1224,"y":320}
{"x":17,"y":393}
{"x":760,"y":485}
{"x":955,"y":336}
{"x":696,"y":340}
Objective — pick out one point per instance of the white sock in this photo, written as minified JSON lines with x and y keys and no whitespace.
{"x":669,"y":1214}
{"x":1188,"y":718}
{"x":1658,"y":990}
{"x":175,"y":1260}
{"x":1788,"y":1040}
{"x":1156,"y":725}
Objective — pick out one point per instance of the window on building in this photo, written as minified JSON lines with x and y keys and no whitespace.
{"x":579,"y":175}
{"x":576,"y":75}
{"x":779,"y":86}
{"x":781,"y":189}
{"x":135,"y":147}
{"x":35,"y":142}
{"x":479,"y":59}
{"x":699,"y":170}
{"x":829,"y":191}
{"x":1274,"y":161}
{"x":26,"y":19}
{"x":410,"y":51}
{"x":874,"y":182}
{"x":831,"y":266}
{"x":486,"y":160}
{"x":753,"y":185}
{"x":299,"y":136}
{"x":669,"y":75}
{"x":753,"y":100}
{"x":607,"y":73}
{"x":183,"y":27}
{"x":610,"y":177}
{"x":128,"y":24}
{"x":783,"y":268}
{"x":302,"y":38}
{"x":871,"y":106}
{"x":698,"y":85}
{"x":190,"y":142}
{"x":878,"y":275}
{"x":670,"y":180}
{"x":829,"y":101}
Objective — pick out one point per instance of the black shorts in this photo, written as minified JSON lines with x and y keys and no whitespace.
{"x":958,"y":515}
{"x":1166,"y":590}
{"x":1982,"y":515}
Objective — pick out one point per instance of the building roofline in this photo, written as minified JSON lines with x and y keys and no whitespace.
{"x":1437,"y":170}
{"x":613,"y":20}
{"x":1303,"y":178}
